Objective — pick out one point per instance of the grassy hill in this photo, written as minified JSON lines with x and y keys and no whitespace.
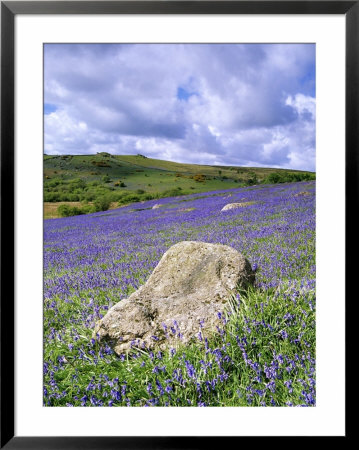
{"x":129,"y":178}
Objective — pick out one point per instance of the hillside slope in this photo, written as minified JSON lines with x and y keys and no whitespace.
{"x":86,"y":177}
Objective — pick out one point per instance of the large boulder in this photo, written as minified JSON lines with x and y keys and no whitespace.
{"x":192,"y":283}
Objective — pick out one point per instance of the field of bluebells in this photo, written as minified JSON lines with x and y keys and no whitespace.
{"x":262,"y":355}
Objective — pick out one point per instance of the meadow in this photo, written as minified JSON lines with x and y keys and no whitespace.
{"x":262,"y":355}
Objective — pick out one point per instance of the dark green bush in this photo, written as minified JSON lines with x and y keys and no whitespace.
{"x":53,"y":183}
{"x":51,"y":197}
{"x":77,"y":183}
{"x":73,"y":198}
{"x":129,"y":198}
{"x":106,"y":179}
{"x":87,"y":209}
{"x":252,"y":179}
{"x":67,"y":211}
{"x":102,"y":203}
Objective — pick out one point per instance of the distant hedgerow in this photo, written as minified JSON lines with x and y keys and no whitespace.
{"x":288,"y":177}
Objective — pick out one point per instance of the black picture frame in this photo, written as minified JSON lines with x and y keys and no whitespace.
{"x":9,"y":9}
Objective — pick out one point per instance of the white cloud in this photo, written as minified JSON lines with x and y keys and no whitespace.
{"x":249,"y":104}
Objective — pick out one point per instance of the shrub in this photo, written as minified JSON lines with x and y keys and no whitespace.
{"x":102,"y":203}
{"x":100,"y":164}
{"x":252,"y":179}
{"x":89,"y":197}
{"x":76,"y":183}
{"x":199,"y":177}
{"x":87,"y":209}
{"x":129,"y":198}
{"x":63,"y":197}
{"x":53,"y":183}
{"x":274,"y":178}
{"x":67,"y":211}
{"x":73,"y":197}
{"x":51,"y":197}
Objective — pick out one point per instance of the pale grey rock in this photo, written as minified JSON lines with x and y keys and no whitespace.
{"x":192,"y":282}
{"x":236,"y":205}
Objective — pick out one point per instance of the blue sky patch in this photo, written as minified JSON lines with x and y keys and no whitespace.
{"x":49,"y":108}
{"x":183,"y":94}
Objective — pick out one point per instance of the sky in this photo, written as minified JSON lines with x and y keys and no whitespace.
{"x":218,"y":104}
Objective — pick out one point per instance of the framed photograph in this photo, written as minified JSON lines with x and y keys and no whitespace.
{"x":176,"y":186}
